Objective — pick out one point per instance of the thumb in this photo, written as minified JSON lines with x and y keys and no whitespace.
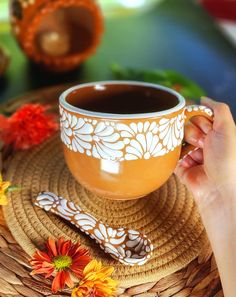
{"x":194,"y":178}
{"x":223,"y":119}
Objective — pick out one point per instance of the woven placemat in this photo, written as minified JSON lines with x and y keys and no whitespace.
{"x":199,"y":278}
{"x":168,"y":216}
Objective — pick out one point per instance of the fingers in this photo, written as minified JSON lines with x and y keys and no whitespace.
{"x":202,"y":123}
{"x":188,"y":162}
{"x":182,"y":172}
{"x":195,"y":179}
{"x":223,"y":119}
{"x":193,"y":158}
{"x":197,"y":156}
{"x":194,"y":135}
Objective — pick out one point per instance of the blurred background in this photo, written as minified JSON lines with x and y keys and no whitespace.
{"x":194,"y":38}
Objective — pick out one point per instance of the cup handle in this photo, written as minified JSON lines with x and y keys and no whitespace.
{"x":192,"y":111}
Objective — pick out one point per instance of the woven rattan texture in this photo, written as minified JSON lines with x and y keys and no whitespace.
{"x":198,"y":279}
{"x":168,"y":216}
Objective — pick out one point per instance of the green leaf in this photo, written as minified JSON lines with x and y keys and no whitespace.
{"x":13,"y":188}
{"x":125,"y":73}
{"x":153,"y":76}
{"x":167,"y":78}
{"x":190,"y":89}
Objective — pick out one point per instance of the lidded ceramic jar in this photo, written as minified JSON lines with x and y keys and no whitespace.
{"x":58,"y":34}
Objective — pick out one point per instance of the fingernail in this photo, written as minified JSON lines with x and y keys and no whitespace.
{"x":201,"y":142}
{"x":208,"y":128}
{"x":206,"y":98}
{"x":193,"y":140}
{"x":181,"y":160}
{"x":184,"y":163}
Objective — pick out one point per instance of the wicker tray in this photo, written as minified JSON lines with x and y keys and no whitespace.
{"x":199,"y":278}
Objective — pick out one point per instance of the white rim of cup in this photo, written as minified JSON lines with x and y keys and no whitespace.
{"x":99,"y":85}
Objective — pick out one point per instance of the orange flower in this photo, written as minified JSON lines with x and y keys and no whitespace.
{"x":61,"y":259}
{"x":96,"y":282}
{"x":28,"y":126}
{"x":4,"y":186}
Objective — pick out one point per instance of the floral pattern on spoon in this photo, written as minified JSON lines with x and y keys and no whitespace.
{"x":129,"y":247}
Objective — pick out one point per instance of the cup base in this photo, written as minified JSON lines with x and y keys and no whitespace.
{"x":126,"y":198}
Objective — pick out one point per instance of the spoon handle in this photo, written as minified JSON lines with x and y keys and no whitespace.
{"x":127,"y":246}
{"x":109,"y":239}
{"x":70,"y":212}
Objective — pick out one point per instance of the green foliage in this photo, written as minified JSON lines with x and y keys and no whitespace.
{"x":167,"y":78}
{"x":13,"y":188}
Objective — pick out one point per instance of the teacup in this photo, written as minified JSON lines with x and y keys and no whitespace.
{"x":123,"y":139}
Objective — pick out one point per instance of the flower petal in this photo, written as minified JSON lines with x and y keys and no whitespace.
{"x":41,"y":256}
{"x":3,"y":199}
{"x":94,"y":265}
{"x":66,"y":278}
{"x":57,"y":282}
{"x":51,"y":245}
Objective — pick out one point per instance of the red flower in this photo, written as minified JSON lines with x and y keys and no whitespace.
{"x":61,"y":259}
{"x":28,"y":126}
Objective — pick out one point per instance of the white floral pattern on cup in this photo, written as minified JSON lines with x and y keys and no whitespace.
{"x":76,"y":132}
{"x":203,"y":108}
{"x":109,"y":140}
{"x":106,"y":142}
{"x":144,"y":143}
{"x":171,"y":131}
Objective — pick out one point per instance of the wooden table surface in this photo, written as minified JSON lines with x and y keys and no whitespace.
{"x":2,"y":221}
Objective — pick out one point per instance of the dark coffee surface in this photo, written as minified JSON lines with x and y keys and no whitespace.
{"x":118,"y":99}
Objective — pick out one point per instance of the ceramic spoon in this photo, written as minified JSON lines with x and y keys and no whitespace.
{"x":127,"y":246}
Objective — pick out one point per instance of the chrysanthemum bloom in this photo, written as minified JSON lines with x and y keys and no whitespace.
{"x":61,"y":259}
{"x":28,"y":126}
{"x":96,"y":282}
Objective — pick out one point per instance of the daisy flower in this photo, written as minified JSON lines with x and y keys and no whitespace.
{"x":62,"y":260}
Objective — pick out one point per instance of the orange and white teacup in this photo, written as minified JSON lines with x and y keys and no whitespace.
{"x":123,"y":139}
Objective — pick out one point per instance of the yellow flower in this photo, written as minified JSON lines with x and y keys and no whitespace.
{"x":3,"y":188}
{"x":96,"y":282}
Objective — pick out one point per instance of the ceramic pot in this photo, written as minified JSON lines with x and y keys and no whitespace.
{"x":4,"y":61}
{"x":57,"y":34}
{"x":122,"y":140}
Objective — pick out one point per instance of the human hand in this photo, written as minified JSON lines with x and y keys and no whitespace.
{"x":211,"y":168}
{"x":209,"y":173}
